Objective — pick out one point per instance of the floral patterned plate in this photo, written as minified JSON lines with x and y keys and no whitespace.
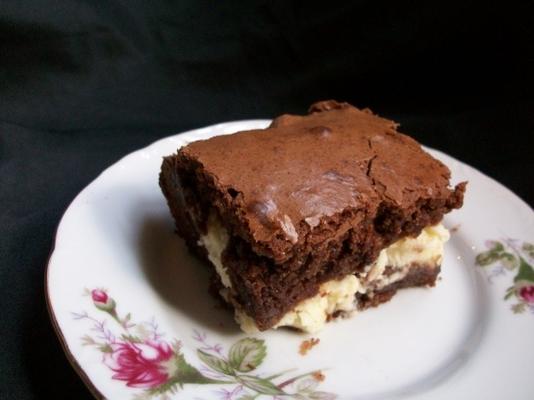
{"x":131,"y":307}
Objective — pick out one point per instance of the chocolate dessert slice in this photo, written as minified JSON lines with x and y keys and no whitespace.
{"x":313,"y":217}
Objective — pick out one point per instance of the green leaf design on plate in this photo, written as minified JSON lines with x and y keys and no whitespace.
{"x":497,"y":246}
{"x":171,"y":386}
{"x":87,"y":340}
{"x":526,"y":272}
{"x":486,"y":258}
{"x":259,"y":385}
{"x":529,"y":249}
{"x":131,"y":338}
{"x":518,"y":308}
{"x":509,"y":261}
{"x":509,"y":292}
{"x":247,"y":354}
{"x":186,"y":373}
{"x":105,"y":348}
{"x":215,"y":363}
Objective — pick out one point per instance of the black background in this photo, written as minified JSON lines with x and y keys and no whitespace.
{"x":83,"y":83}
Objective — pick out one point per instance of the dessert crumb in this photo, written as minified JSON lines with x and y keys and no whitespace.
{"x":307,"y":345}
{"x":318,"y":376}
{"x":455,"y":228}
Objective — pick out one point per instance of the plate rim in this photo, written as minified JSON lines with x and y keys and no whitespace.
{"x":95,"y":392}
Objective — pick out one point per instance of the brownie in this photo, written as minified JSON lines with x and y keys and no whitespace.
{"x":419,"y":275}
{"x":309,"y":199}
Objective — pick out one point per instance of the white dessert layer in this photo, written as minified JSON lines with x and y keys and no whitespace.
{"x":425,"y":249}
{"x":215,"y":241}
{"x":311,"y":314}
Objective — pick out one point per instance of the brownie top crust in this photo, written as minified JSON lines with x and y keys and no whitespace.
{"x":290,"y":179}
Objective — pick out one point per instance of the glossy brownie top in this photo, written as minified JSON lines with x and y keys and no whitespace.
{"x":305,"y":168}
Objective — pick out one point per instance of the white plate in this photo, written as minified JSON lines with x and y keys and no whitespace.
{"x":132,"y":310}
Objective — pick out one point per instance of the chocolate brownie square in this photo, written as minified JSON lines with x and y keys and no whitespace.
{"x":312,"y":217}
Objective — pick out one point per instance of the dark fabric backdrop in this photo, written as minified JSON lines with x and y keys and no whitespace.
{"x":83,"y":83}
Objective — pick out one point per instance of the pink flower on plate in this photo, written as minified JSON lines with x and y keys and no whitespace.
{"x":102,"y":301}
{"x":99,"y":296}
{"x":526,"y":293}
{"x":141,"y":365}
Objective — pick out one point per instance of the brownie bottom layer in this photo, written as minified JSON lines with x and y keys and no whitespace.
{"x":310,"y":315}
{"x":408,"y":262}
{"x":418,"y":276}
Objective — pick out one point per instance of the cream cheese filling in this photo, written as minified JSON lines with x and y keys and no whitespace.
{"x":215,"y":241}
{"x":310,"y":315}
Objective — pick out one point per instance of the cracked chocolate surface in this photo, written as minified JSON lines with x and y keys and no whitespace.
{"x":303,"y":170}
